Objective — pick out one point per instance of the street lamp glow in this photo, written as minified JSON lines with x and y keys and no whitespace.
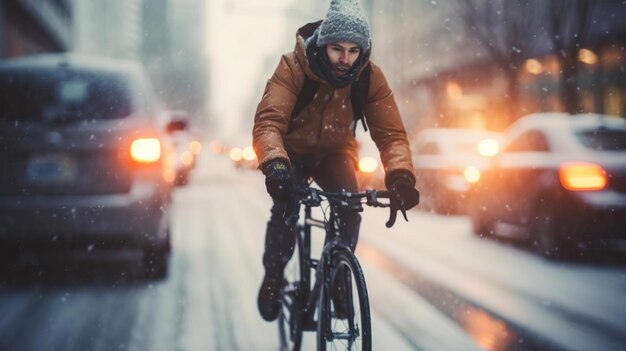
{"x":587,"y":56}
{"x":533,"y":66}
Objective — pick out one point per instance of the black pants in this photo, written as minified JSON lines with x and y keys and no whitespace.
{"x":333,"y":172}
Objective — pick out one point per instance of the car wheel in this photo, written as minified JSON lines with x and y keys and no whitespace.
{"x":545,"y":233}
{"x":155,"y":264}
{"x":182,"y":179}
{"x":155,"y":259}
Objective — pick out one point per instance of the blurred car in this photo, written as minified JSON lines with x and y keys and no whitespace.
{"x":559,"y":183}
{"x":185,"y":146}
{"x":446,"y":161}
{"x":82,"y":157}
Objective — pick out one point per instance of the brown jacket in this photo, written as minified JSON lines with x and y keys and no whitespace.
{"x":325,"y":125}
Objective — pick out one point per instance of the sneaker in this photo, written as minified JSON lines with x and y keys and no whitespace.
{"x":268,"y":300}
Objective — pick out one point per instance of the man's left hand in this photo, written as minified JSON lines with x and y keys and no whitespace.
{"x":404,"y":195}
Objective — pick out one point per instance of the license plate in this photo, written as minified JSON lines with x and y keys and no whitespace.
{"x":51,"y":169}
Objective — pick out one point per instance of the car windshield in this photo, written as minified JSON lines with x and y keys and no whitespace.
{"x":603,"y":139}
{"x":62,"y":96}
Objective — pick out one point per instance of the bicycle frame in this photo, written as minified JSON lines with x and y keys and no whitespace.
{"x":309,"y":290}
{"x":310,"y":294}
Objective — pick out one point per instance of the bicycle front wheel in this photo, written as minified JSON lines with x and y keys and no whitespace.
{"x":289,"y":319}
{"x":344,"y":316}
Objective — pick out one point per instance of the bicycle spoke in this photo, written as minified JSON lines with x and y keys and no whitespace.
{"x":345,"y":327}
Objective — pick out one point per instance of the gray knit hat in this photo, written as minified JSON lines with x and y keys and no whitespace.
{"x":345,"y":21}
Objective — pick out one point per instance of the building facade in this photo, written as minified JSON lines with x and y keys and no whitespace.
{"x":108,"y":28}
{"x":35,"y":26}
{"x":444,"y":76}
{"x":173,"y":50}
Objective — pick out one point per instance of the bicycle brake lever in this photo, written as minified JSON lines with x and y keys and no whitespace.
{"x":392,"y":218}
{"x":393,"y":214}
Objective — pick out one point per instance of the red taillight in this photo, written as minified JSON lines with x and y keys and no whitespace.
{"x":145,"y":150}
{"x":582,"y":176}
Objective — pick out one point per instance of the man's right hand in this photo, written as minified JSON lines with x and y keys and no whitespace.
{"x":278,"y":179}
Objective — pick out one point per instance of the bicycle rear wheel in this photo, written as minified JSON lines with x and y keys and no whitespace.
{"x":347,"y":327}
{"x":289,"y":319}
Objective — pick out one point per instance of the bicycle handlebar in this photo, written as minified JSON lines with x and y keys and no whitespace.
{"x":310,"y":196}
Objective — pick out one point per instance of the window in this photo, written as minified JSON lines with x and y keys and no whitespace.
{"x":63,"y":95}
{"x":603,"y":139}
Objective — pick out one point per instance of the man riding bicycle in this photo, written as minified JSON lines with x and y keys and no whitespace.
{"x":316,"y":140}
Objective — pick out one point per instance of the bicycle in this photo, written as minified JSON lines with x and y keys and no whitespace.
{"x":308,"y":305}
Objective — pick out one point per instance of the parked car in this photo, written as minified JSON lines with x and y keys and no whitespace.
{"x":446,"y":161}
{"x":82,"y":157}
{"x":559,"y":183}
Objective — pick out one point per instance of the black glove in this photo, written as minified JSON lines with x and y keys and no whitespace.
{"x":404,"y":196}
{"x":278,"y":180}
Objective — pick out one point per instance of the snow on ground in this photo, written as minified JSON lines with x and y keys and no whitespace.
{"x":566,"y":303}
{"x":208,"y":301}
{"x":238,"y":209}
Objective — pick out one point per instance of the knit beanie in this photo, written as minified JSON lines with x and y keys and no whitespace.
{"x":345,"y":21}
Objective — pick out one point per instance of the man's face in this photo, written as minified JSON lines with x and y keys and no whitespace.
{"x":342,"y":56}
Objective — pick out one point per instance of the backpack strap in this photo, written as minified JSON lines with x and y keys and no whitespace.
{"x":307,"y":93}
{"x":358,"y":96}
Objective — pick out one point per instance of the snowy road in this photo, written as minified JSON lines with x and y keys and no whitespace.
{"x":432,"y":284}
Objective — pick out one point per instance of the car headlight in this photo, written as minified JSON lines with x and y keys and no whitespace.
{"x":368,"y":164}
{"x":488,"y":147}
{"x":471,"y":174}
